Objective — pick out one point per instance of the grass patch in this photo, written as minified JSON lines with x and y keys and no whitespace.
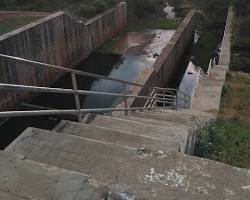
{"x":14,"y":22}
{"x":140,"y":26}
{"x":228,"y":139}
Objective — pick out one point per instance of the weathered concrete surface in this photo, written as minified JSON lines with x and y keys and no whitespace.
{"x":121,"y":138}
{"x":146,"y":176}
{"x":177,"y":135}
{"x":57,"y":39}
{"x":208,"y":95}
{"x":21,"y":179}
{"x":187,"y":118}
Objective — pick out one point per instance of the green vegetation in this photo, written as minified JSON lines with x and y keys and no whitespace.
{"x":228,"y":139}
{"x":85,"y":8}
{"x":211,"y":23}
{"x":144,"y":8}
{"x":203,"y":51}
{"x":14,"y":22}
{"x":241,"y":36}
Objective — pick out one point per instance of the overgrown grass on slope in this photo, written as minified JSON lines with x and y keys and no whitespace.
{"x":228,"y":140}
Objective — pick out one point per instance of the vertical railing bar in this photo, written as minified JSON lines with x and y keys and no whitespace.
{"x":76,"y":95}
{"x":125,"y":100}
{"x":176,"y":100}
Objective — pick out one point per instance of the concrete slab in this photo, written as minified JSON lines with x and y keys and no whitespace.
{"x":187,"y":119}
{"x":146,"y":176}
{"x":178,"y":134}
{"x":153,"y":122}
{"x":118,"y":137}
{"x":185,"y":112}
{"x":207,"y":97}
{"x":21,"y":179}
{"x":208,"y":94}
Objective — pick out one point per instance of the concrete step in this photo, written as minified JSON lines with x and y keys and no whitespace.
{"x":22,"y":179}
{"x":153,"y":122}
{"x":145,"y":176}
{"x":186,"y":112}
{"x":178,"y":134}
{"x":185,"y":118}
{"x":121,"y":138}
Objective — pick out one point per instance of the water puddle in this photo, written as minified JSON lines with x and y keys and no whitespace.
{"x":139,"y":52}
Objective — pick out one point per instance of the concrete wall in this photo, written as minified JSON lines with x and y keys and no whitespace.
{"x":226,"y":42}
{"x":57,"y":39}
{"x":166,"y":65}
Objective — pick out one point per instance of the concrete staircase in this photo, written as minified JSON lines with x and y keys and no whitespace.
{"x":139,"y":156}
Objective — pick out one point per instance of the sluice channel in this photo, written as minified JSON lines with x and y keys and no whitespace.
{"x":133,"y":55}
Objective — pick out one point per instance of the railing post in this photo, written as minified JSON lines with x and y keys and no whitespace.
{"x":185,"y":101}
{"x":125,"y":99}
{"x":76,"y":95}
{"x":176,"y":101}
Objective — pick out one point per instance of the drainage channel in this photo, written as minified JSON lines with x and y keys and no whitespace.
{"x":137,"y":52}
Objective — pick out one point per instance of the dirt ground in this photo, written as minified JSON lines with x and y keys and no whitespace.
{"x":236,"y":97}
{"x":11,"y":20}
{"x":6,"y":14}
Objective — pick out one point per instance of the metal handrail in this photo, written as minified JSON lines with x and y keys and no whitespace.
{"x":168,"y":92}
{"x":81,"y":73}
{"x":76,"y":93}
{"x":26,"y":88}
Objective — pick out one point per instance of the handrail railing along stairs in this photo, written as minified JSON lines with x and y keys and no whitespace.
{"x":164,"y":96}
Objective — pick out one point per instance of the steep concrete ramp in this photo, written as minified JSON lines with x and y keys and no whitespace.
{"x":21,"y":179}
{"x":145,"y":175}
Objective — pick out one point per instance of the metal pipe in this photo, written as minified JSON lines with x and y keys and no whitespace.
{"x":4,"y":86}
{"x":68,"y":70}
{"x":76,"y":96}
{"x":63,"y":112}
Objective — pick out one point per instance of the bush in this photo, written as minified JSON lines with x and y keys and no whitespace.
{"x":100,"y":5}
{"x":225,"y":141}
{"x":87,"y":10}
{"x":145,"y":7}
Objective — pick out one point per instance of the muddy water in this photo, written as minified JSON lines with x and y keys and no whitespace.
{"x":139,"y":51}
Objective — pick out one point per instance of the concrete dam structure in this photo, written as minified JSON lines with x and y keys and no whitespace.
{"x":129,"y":152}
{"x":58,"y":39}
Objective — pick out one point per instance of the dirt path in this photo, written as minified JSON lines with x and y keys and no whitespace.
{"x":6,"y":14}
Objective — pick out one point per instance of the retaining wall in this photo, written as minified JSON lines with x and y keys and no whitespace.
{"x":57,"y":39}
{"x":167,"y":64}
